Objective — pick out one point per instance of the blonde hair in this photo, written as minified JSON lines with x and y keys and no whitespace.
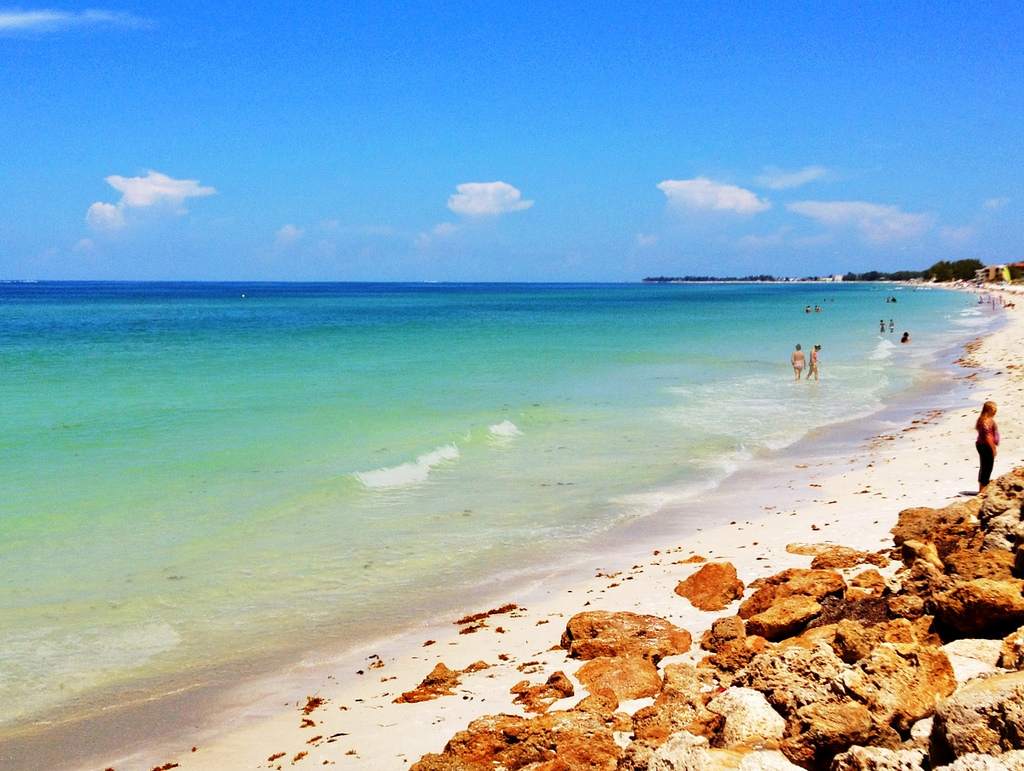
{"x":988,"y":410}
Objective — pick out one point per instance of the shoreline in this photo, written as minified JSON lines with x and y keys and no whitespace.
{"x":806,"y":504}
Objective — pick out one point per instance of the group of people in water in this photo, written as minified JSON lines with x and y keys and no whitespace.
{"x":892,"y":328}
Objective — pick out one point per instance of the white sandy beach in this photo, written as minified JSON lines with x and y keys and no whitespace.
{"x":930,"y":461}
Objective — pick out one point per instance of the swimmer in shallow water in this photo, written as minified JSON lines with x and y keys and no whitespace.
{"x":798,"y":361}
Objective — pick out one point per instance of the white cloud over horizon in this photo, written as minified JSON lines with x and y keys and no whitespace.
{"x":155,"y":189}
{"x":778,"y":179}
{"x":996,"y":203}
{"x":288,"y":234}
{"x":48,"y":20}
{"x":486,"y":199}
{"x":877,"y":223}
{"x":646,"y":240}
{"x":703,"y":194}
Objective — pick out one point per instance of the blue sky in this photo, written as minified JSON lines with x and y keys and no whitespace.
{"x":534,"y":141}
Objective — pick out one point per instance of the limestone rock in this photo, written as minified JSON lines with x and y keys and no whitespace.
{"x":972,"y":658}
{"x":969,"y":564}
{"x":949,"y":528}
{"x":912,"y":551}
{"x":878,"y":759}
{"x":571,"y":741}
{"x":598,"y":633}
{"x":784,"y":618}
{"x":900,"y":684}
{"x":712,"y":587}
{"x":870,"y":580}
{"x":1000,"y":512}
{"x":722,"y":630}
{"x":816,"y":584}
{"x":981,"y":606}
{"x":1008,"y":761}
{"x":682,"y":752}
{"x":1011,"y":652}
{"x":766,"y":760}
{"x":441,"y":681}
{"x":794,"y":677}
{"x":853,"y":641}
{"x":680,"y":706}
{"x":985,"y":716}
{"x":839,"y":557}
{"x":627,"y":677}
{"x":539,"y":698}
{"x":818,"y":732}
{"x":749,"y":718}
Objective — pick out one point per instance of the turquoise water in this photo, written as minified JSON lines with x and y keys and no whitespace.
{"x":194,"y":474}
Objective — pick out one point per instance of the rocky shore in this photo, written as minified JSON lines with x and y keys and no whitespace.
{"x":814,"y":622}
{"x":906,"y":658}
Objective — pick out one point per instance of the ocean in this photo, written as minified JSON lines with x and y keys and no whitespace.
{"x":196,"y":476}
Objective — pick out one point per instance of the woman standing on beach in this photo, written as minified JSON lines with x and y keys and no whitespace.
{"x":988,"y":441}
{"x":797,"y":360}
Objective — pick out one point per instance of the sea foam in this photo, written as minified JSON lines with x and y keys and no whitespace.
{"x":505,"y":431}
{"x":406,"y":474}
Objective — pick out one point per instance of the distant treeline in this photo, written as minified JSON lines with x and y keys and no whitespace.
{"x":698,"y":279}
{"x":899,"y":275}
{"x":961,"y":270}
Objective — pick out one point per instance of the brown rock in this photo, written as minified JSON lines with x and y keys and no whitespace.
{"x":1011,"y":654}
{"x":968,"y":564}
{"x":985,"y":716}
{"x":712,"y":587}
{"x":853,"y":641}
{"x":818,"y":732}
{"x":572,"y":741}
{"x":879,"y":759}
{"x":440,"y":682}
{"x":680,"y":706}
{"x":925,"y":551}
{"x":627,"y":677}
{"x":723,"y":630}
{"x":900,"y":684}
{"x":870,"y":580}
{"x":949,"y":529}
{"x":603,"y":705}
{"x":539,"y":698}
{"x":1000,"y":517}
{"x":906,"y":606}
{"x":839,"y":557}
{"x":784,"y":618}
{"x":982,"y":607}
{"x":600,"y":633}
{"x":732,"y":655}
{"x":816,"y":584}
{"x":794,"y":677}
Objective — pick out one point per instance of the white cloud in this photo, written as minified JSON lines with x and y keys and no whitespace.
{"x":760,"y":242}
{"x":645,"y":240}
{"x":155,"y":189}
{"x":13,"y":21}
{"x":105,"y":216}
{"x":703,"y":194}
{"x":958,"y":236}
{"x":446,"y":230}
{"x":289,"y":234}
{"x":85,"y":246}
{"x":996,"y":203}
{"x":778,"y":179}
{"x":486,"y":199}
{"x":877,"y":223}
